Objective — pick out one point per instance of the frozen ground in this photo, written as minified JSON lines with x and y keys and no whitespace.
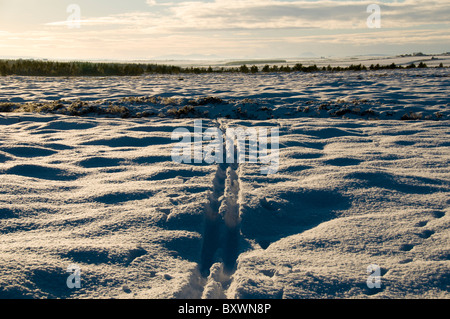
{"x":104,"y":194}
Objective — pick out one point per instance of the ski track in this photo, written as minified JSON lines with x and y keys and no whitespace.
{"x":222,"y":229}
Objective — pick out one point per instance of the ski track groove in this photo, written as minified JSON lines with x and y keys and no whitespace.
{"x":222,"y":229}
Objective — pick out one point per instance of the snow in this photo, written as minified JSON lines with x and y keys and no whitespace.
{"x":103,"y":192}
{"x":385,"y":94}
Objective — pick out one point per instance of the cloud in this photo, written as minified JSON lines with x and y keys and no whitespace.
{"x":241,"y":27}
{"x":137,"y":19}
{"x":225,"y":15}
{"x":388,"y":37}
{"x":323,"y":14}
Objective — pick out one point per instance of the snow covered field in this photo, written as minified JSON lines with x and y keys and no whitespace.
{"x":387,"y":94}
{"x":356,"y":188}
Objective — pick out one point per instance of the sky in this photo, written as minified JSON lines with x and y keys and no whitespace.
{"x":234,"y":29}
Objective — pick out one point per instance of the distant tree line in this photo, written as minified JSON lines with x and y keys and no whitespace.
{"x":51,"y":68}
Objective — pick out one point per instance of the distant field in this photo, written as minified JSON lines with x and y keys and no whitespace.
{"x":255,"y":62}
